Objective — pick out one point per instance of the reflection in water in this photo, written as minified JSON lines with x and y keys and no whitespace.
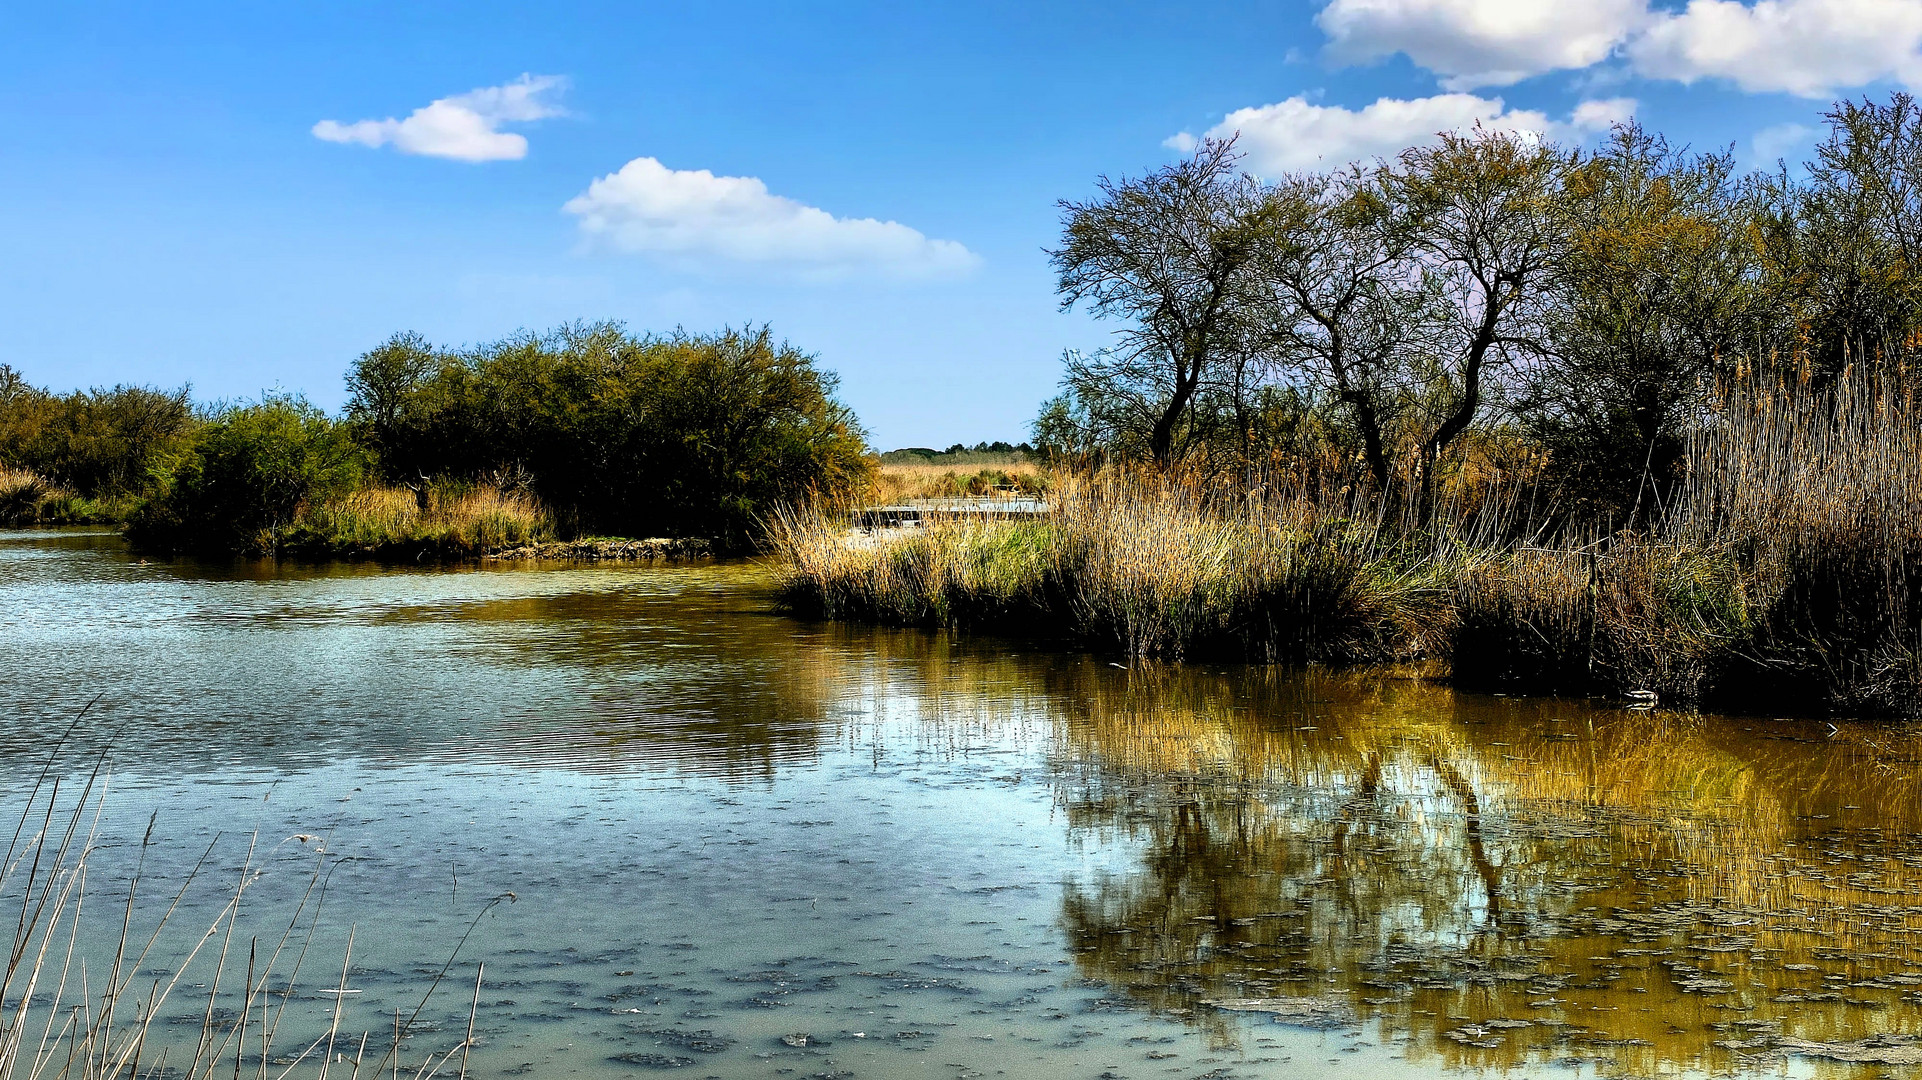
{"x":727,"y":826}
{"x":1497,"y":882}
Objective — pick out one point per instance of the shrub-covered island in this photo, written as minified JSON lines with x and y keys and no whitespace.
{"x":581,"y":431}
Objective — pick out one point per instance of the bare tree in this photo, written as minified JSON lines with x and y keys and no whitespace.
{"x":1482,"y":217}
{"x":1169,"y":253}
{"x":1337,"y":298}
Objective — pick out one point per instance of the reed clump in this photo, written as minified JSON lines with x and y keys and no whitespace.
{"x":1786,"y":572}
{"x":23,"y":497}
{"x":27,"y":498}
{"x":1155,"y":566}
{"x":444,"y":520}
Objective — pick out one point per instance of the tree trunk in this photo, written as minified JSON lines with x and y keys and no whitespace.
{"x":1162,"y":440}
{"x":1465,"y":409}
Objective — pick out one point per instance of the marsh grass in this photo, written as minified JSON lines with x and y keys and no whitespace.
{"x":1150,"y":565}
{"x":441,"y":520}
{"x":894,"y":482}
{"x":27,"y":498}
{"x":1787,"y":573}
{"x":59,"y":1019}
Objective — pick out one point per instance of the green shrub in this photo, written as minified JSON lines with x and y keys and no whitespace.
{"x":682,"y":435}
{"x":98,"y":452}
{"x":250,"y":471}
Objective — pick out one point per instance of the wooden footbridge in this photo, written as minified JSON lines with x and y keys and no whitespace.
{"x":914,"y":512}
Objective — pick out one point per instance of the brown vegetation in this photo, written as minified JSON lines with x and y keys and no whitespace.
{"x":895,"y":482}
{"x":1790,"y":572}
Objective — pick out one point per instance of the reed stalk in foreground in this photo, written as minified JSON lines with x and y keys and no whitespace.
{"x":57,"y":1021}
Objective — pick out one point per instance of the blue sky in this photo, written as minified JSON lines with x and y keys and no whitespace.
{"x":245,"y":197}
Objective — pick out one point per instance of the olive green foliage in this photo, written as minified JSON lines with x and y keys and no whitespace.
{"x":677,"y":435}
{"x":253,"y":467}
{"x":1844,"y":249}
{"x":94,"y":453}
{"x":1659,"y":283}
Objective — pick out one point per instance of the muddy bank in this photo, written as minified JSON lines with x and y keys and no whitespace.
{"x":656,"y":549}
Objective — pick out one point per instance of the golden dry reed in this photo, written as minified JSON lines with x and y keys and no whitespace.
{"x":381,"y":520}
{"x":61,"y":1020}
{"x":1788,"y":571}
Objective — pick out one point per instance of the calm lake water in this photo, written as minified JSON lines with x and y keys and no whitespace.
{"x":937,"y":857}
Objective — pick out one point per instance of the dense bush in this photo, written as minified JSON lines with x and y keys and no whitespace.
{"x":681,"y":435}
{"x":99,"y":450}
{"x":587,"y":429}
{"x":250,"y":471}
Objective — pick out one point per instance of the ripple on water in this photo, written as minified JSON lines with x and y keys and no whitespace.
{"x":745,"y":844}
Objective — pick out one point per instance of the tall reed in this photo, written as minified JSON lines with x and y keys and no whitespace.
{"x":441,"y":520}
{"x":57,"y":1019}
{"x":1787,"y":572}
{"x":1818,"y":491}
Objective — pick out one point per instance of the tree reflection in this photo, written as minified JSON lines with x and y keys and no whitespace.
{"x":1493,"y":881}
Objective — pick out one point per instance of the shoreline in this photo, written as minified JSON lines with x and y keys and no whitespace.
{"x":608,"y":549}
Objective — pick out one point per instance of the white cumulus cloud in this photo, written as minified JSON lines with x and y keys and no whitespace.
{"x":464,"y":127}
{"x":1297,"y":134}
{"x":1474,"y":43}
{"x":696,"y":216}
{"x":1808,"y":47}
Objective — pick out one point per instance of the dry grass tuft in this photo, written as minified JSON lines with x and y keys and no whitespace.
{"x":893,"y":483}
{"x":446,"y":521}
{"x":27,"y":498}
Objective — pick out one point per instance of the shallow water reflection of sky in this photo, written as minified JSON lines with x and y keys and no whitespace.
{"x":939,"y":857}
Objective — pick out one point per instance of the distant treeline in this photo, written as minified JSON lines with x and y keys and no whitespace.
{"x":990,"y":453}
{"x":1570,"y":310}
{"x":587,"y":429}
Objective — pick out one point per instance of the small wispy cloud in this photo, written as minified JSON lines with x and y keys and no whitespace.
{"x":1778,"y":142}
{"x":464,"y":127}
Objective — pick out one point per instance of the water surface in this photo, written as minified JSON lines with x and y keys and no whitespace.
{"x":938,"y":857}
